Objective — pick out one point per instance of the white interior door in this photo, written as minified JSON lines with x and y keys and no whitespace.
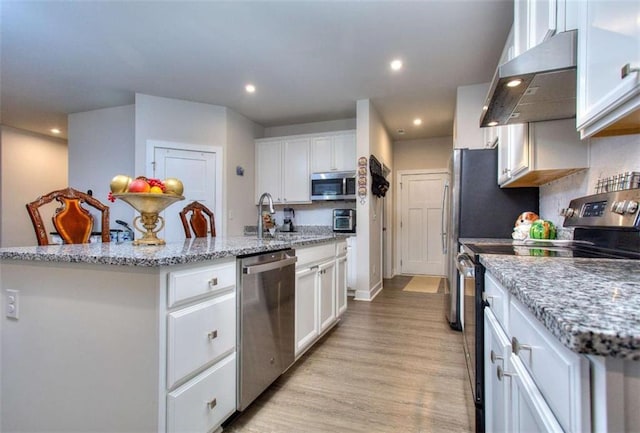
{"x":198,"y":172}
{"x":420,"y":224}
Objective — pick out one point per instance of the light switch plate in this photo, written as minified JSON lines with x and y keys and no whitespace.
{"x":11,"y":303}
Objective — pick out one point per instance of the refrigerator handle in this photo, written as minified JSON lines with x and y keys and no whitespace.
{"x":443,"y":224}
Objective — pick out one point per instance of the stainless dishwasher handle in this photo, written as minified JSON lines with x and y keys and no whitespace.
{"x":465,"y":265}
{"x":256,"y":269}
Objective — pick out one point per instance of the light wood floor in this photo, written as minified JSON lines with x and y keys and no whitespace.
{"x":391,"y":365}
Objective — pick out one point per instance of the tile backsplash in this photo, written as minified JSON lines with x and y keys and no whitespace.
{"x":608,"y":156}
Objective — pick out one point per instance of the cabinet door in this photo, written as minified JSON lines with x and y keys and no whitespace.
{"x":306,"y":313}
{"x":520,"y":26}
{"x":344,"y":151}
{"x":295,"y":171}
{"x":542,"y":21}
{"x":608,"y":39}
{"x":269,"y":169}
{"x":341,"y":285}
{"x":497,"y":386}
{"x":327,"y":297}
{"x":529,"y":410}
{"x":321,"y":154}
{"x":503,"y":154}
{"x":518,"y":149}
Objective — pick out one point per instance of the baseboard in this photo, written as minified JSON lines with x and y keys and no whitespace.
{"x":368,"y":295}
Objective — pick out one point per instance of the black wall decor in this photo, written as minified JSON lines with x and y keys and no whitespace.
{"x":379,"y":185}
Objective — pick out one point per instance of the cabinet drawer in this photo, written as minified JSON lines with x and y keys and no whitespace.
{"x":315,"y":254}
{"x":203,"y":403}
{"x":498,"y":299}
{"x":560,"y":374}
{"x":199,"y":334}
{"x":190,"y":283}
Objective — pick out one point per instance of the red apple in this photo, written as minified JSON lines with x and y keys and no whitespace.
{"x":139,"y":185}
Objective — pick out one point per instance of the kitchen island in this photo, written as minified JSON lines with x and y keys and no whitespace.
{"x":562,"y":343}
{"x":112,"y":337}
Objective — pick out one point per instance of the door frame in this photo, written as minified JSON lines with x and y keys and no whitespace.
{"x":398,"y":229}
{"x":221,"y":226}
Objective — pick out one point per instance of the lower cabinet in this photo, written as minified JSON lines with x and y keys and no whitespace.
{"x":532,"y":382}
{"x":321,"y":293}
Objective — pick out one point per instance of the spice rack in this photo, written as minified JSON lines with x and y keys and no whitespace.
{"x":619,"y":182}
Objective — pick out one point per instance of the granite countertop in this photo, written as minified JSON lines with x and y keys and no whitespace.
{"x":189,"y":251}
{"x":591,"y":305}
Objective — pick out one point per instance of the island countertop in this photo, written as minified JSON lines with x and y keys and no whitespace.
{"x":173,"y":253}
{"x":591,"y":305}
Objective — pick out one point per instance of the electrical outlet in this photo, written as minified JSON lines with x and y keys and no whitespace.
{"x":11,"y":303}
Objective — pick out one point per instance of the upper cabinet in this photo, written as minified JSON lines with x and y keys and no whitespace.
{"x":334,"y":151}
{"x":535,"y":21}
{"x":466,"y":126}
{"x":537,"y":153}
{"x":282,"y":169}
{"x":608,"y":68}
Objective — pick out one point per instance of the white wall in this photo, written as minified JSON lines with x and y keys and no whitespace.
{"x":310,"y":128}
{"x":241,"y":210}
{"x":101,"y":145}
{"x":372,"y":138}
{"x":30,"y":165}
{"x":609,"y":156}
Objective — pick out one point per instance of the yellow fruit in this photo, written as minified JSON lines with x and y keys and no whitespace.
{"x":173,"y":186}
{"x":120,"y":184}
{"x":155,"y":190}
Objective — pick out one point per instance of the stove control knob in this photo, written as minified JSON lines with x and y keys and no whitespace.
{"x":618,"y":207}
{"x":569,"y":212}
{"x":632,"y":207}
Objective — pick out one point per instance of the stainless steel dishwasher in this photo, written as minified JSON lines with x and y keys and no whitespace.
{"x":266,"y":305}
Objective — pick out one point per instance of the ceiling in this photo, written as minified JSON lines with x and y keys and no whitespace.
{"x":309,"y":60}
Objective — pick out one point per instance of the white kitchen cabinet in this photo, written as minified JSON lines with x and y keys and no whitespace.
{"x":466,"y":126}
{"x":327,"y":293}
{"x":608,"y":40}
{"x":127,"y":355}
{"x":341,"y":277}
{"x":352,"y":270}
{"x":540,"y":384}
{"x":306,"y":313}
{"x":282,"y":169}
{"x":535,"y":21}
{"x":537,"y":153}
{"x":334,"y":151}
{"x":497,"y":387}
{"x":316,"y":294}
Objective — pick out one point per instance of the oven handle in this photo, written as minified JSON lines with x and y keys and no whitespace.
{"x":443,"y":223}
{"x":465,"y":265}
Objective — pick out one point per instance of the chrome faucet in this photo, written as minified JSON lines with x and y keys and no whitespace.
{"x":271,"y":210}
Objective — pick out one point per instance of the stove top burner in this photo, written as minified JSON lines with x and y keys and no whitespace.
{"x":577,"y":251}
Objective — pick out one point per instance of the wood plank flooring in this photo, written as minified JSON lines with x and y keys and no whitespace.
{"x":391,"y":365}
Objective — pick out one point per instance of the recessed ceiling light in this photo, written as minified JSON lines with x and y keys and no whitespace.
{"x":250,"y":88}
{"x":514,"y":83}
{"x":396,"y":64}
{"x":417,"y":122}
{"x":401,"y":131}
{"x":494,"y":123}
{"x":55,"y":131}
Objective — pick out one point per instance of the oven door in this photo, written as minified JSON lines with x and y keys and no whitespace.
{"x":471,"y":283}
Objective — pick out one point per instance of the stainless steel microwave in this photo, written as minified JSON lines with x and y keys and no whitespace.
{"x":335,"y":185}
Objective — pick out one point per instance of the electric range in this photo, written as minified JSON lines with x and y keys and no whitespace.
{"x":605,"y":226}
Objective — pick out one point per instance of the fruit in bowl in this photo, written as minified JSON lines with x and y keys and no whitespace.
{"x":122,"y":184}
{"x":139,"y":184}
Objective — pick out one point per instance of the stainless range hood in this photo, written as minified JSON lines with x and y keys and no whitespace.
{"x":547,"y":89}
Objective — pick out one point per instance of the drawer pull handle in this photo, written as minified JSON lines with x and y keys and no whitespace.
{"x":627,"y":69}
{"x":495,"y":357}
{"x":516,"y":346}
{"x":212,"y":335}
{"x":213,"y":282}
{"x":501,"y":373}
{"x":211,"y":404}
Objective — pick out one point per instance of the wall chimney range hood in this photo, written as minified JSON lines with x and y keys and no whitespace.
{"x":547,"y":88}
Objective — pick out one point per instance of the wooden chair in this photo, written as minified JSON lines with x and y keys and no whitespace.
{"x":198,"y":220}
{"x":72,"y":221}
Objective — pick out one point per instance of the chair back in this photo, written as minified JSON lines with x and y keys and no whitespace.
{"x":198,"y":221}
{"x":72,"y":221}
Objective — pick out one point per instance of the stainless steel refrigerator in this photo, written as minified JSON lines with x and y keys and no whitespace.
{"x":477,"y":208}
